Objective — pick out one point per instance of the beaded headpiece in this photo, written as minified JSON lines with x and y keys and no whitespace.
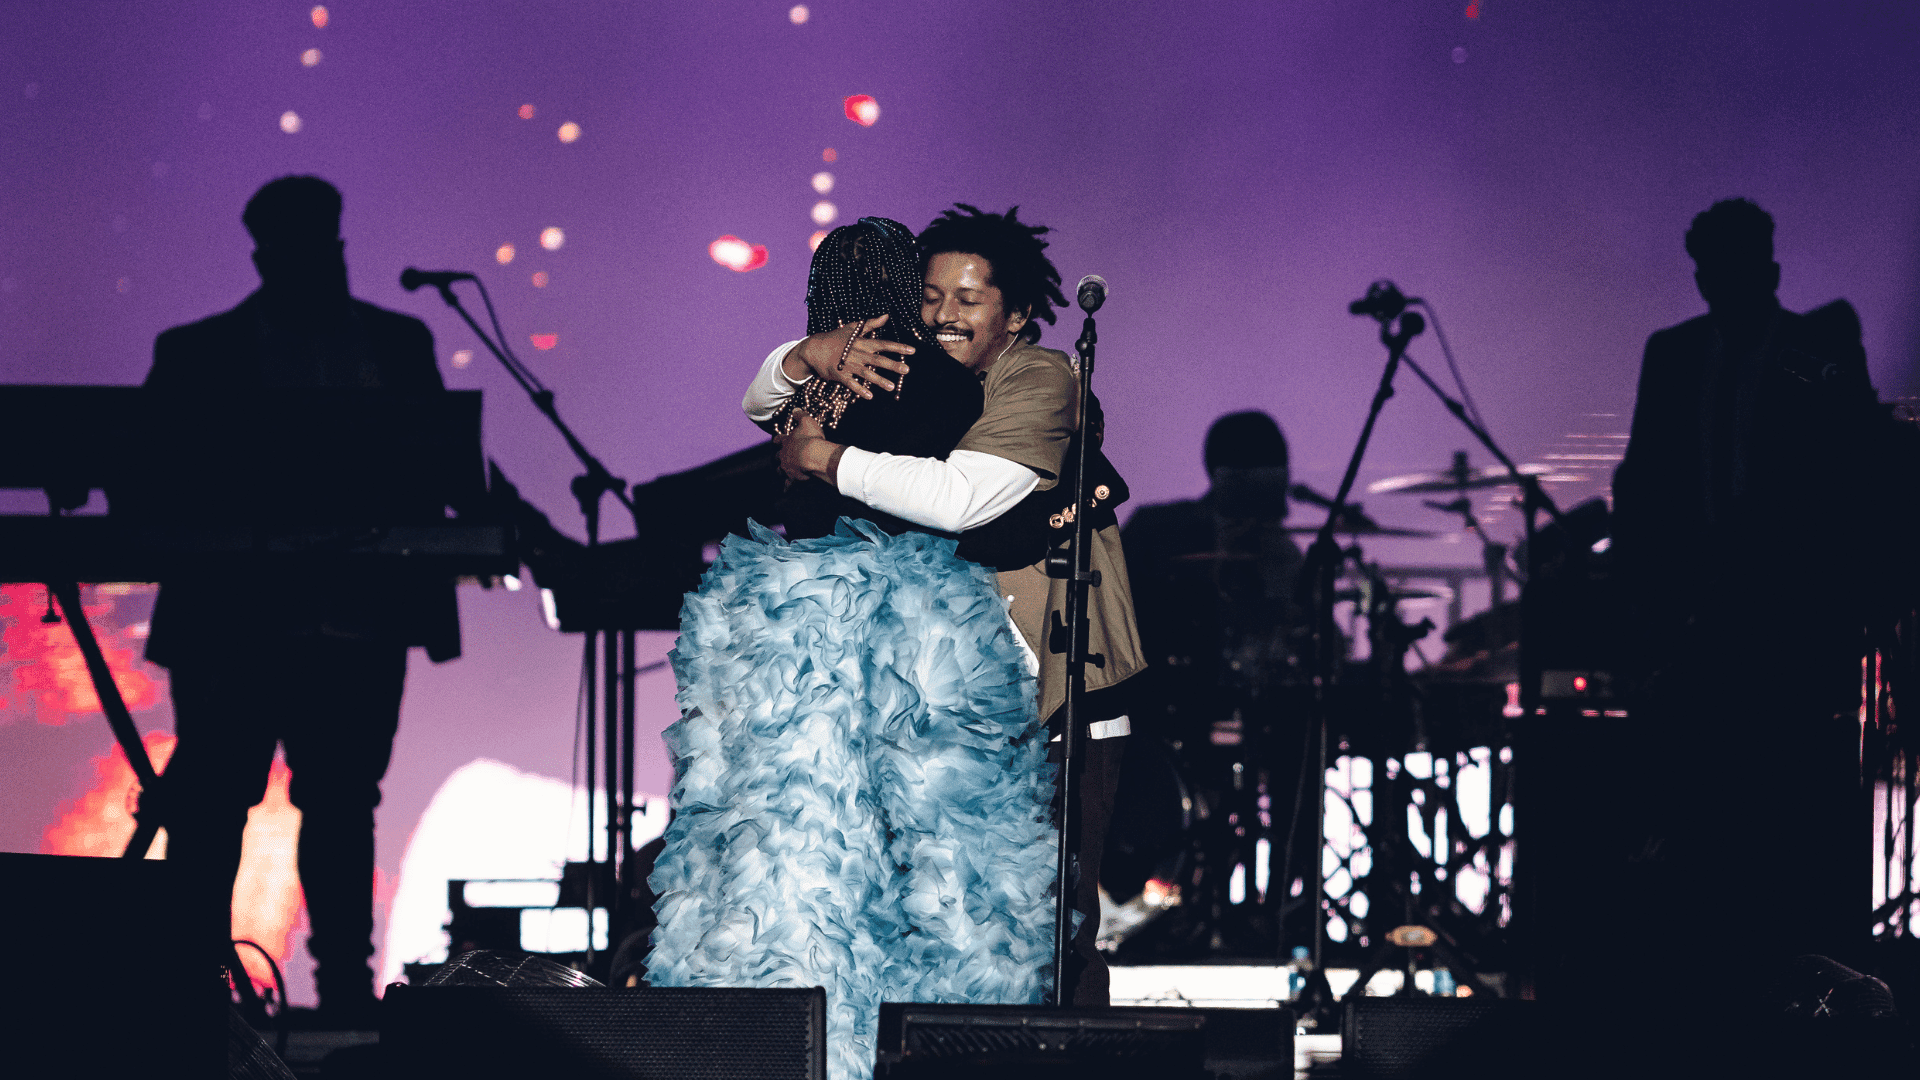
{"x":860,"y":272}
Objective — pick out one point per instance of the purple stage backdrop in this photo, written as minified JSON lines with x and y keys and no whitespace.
{"x":1238,"y":171}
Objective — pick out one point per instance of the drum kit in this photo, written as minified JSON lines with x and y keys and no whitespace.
{"x":1213,"y":838}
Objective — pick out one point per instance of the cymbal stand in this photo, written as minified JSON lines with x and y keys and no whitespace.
{"x":617,"y":666}
{"x":1493,"y":555}
{"x":1533,"y":500}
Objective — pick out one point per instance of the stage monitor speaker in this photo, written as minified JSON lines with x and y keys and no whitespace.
{"x":1249,"y":1044}
{"x":109,"y":970}
{"x":602,"y":1033}
{"x":1019,"y":1042}
{"x":1419,"y":1038}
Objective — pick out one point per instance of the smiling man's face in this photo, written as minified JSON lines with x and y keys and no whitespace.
{"x":966,"y":311}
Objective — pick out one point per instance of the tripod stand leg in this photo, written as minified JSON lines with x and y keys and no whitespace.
{"x":111,"y":703}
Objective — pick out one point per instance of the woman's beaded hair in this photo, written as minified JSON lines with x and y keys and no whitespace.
{"x":865,"y":270}
{"x":859,"y":272}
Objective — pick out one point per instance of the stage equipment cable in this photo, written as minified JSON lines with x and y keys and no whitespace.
{"x":280,"y":984}
{"x":1446,"y":350}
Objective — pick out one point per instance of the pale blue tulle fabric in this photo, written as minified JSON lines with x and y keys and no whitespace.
{"x":861,"y":799}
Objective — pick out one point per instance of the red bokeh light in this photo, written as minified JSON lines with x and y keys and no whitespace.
{"x":526,"y":112}
{"x":829,"y":154}
{"x":736,"y":254}
{"x":863,"y":110}
{"x":1473,"y":9}
{"x":544,"y":342}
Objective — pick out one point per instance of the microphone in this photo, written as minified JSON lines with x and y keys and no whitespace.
{"x":411,"y":278}
{"x":1384,"y":301}
{"x":1091,"y":293}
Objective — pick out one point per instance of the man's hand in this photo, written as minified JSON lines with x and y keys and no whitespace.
{"x":858,"y":367}
{"x":806,"y":453}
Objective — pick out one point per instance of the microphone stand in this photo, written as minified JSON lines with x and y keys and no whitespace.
{"x":1324,"y":560}
{"x":1075,"y":565}
{"x":588,"y":489}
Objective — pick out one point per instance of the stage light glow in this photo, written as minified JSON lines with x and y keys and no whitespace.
{"x":736,"y":254}
{"x":463,"y":358}
{"x":822,"y":182}
{"x":552,"y":237}
{"x":569,"y":131}
{"x":813,"y":242}
{"x":504,"y":254}
{"x":526,"y":111}
{"x":46,"y":677}
{"x":862,"y":109}
{"x":829,"y":155}
{"x":310,"y":58}
{"x":266,"y":891}
{"x":540,"y":279}
{"x":488,"y":822}
{"x":543,"y":342}
{"x":1473,"y":9}
{"x":1460,"y":54}
{"x":320,"y":17}
{"x":798,"y":14}
{"x":290,"y":122}
{"x":824,"y":212}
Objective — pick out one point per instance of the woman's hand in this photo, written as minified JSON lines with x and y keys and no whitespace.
{"x":807,"y":454}
{"x":858,"y":363}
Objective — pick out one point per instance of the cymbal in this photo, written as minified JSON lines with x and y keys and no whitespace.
{"x":1367,"y":529}
{"x":1459,"y":478}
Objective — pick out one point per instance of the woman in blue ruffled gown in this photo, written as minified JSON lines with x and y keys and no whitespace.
{"x":860,"y":789}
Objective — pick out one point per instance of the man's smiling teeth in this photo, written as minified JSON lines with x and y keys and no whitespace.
{"x":949,"y":335}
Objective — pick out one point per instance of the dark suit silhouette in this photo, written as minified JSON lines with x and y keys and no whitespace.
{"x":314,"y":660}
{"x":1719,"y":822}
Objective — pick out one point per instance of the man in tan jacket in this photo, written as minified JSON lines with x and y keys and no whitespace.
{"x":988,"y":280}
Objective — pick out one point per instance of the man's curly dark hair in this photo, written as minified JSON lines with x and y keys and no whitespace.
{"x":1026,"y":278}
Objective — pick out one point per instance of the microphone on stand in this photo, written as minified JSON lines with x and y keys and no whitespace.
{"x":411,"y":278}
{"x":1091,"y":293}
{"x":1384,"y":301}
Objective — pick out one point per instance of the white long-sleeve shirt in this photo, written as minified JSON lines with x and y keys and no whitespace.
{"x":966,"y":490}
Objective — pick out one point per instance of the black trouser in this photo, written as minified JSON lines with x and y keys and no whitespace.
{"x":1096,"y":776}
{"x":335,"y":704}
{"x":1716,"y":832}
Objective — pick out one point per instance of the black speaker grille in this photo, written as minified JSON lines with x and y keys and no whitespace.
{"x":1015,"y":1032}
{"x":582,"y":1032}
{"x":1416,"y":1038}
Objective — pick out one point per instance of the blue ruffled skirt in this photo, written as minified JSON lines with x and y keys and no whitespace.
{"x":861,"y":793}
